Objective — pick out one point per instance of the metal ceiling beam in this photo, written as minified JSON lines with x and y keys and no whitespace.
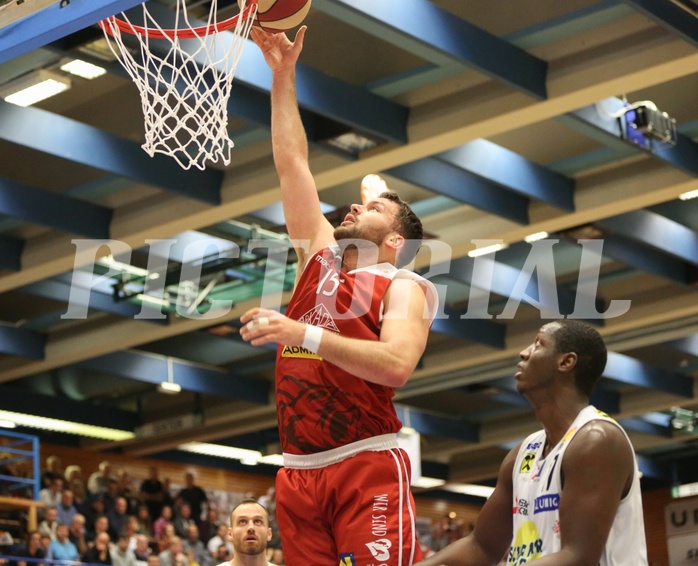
{"x":657,"y":232}
{"x":58,"y":290}
{"x":56,"y":21}
{"x":11,"y":253}
{"x":605,"y":399}
{"x":21,"y":342}
{"x":486,"y":332}
{"x":688,"y":345}
{"x":669,"y":15}
{"x":640,"y":256}
{"x":426,"y":423}
{"x":151,"y":368}
{"x":54,"y":210}
{"x":71,"y":140}
{"x":508,"y":169}
{"x":505,"y":282}
{"x":24,"y":401}
{"x":463,"y":186}
{"x":625,"y":369}
{"x":460,"y":40}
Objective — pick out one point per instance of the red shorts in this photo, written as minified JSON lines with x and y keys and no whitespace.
{"x":357,"y":512}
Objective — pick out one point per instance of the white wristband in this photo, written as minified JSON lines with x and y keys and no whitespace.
{"x":313,"y":336}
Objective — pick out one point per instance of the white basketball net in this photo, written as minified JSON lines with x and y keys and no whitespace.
{"x":184,"y":83}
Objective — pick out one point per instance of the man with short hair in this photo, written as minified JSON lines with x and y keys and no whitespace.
{"x":66,"y":510}
{"x":220,"y":538}
{"x":61,"y":548}
{"x":76,"y":532}
{"x":250,"y":533}
{"x":121,"y":555}
{"x":194,"y":495}
{"x":353,"y":332}
{"x":573,"y":486}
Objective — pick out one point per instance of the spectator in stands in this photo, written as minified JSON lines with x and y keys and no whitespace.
{"x":162,"y":521}
{"x":152,"y":492}
{"x":49,"y":524}
{"x":183,"y":520}
{"x":51,"y":495}
{"x":222,"y":555}
{"x":193,"y":546}
{"x":96,"y":509}
{"x":220,"y":539}
{"x":101,"y":527}
{"x":169,"y":556}
{"x":61,"y":548}
{"x":209,"y":526}
{"x":98,"y":481}
{"x":131,"y":529}
{"x":268,"y":500}
{"x":142,"y":550}
{"x":76,"y":532}
{"x":53,"y":470}
{"x":45,"y":542}
{"x":31,"y":549}
{"x":154,"y":560}
{"x":167,"y":499}
{"x":145,"y":524}
{"x":65,"y":509}
{"x":117,"y":517}
{"x":250,"y":534}
{"x":167,"y":535}
{"x":121,"y":555}
{"x":80,"y":499}
{"x":73,"y":473}
{"x":111,"y":495}
{"x":194,"y":496}
{"x":99,"y":553}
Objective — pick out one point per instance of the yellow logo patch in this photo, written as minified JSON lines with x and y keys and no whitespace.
{"x":298,"y":352}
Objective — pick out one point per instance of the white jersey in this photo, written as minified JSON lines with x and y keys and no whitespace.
{"x":537,"y":488}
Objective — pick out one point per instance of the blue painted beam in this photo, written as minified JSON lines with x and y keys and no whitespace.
{"x":640,"y":256}
{"x":54,"y":210}
{"x":669,"y":15}
{"x":426,"y":423}
{"x":11,"y":253}
{"x":458,"y":39}
{"x":657,"y":470}
{"x":638,"y":424}
{"x":657,"y":232}
{"x":60,"y":291}
{"x":508,"y":169}
{"x":504,"y":282}
{"x":64,"y":408}
{"x":54,"y":22}
{"x":625,"y":369}
{"x":689,"y":345}
{"x":480,"y":331}
{"x":463,"y":186}
{"x":605,"y":399}
{"x":56,"y":135}
{"x":600,"y":119}
{"x":21,"y":342}
{"x":150,"y":368}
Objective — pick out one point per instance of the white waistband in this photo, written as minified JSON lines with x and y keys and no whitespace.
{"x":329,"y":457}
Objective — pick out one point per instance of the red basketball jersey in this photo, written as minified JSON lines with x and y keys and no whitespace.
{"x":320,"y":406}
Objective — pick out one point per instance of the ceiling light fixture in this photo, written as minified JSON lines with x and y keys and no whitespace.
{"x":56,"y":425}
{"x":427,"y":482}
{"x":169,"y":387}
{"x":7,"y":424}
{"x":247,"y":457}
{"x":470,"y":489}
{"x":34,"y":87}
{"x":535,"y":237}
{"x":689,"y":195}
{"x":485,"y":250}
{"x":83,"y":69}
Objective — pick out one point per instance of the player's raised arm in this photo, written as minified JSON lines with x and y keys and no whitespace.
{"x":304,"y":218}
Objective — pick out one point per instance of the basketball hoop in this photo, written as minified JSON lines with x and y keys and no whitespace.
{"x":184,"y":76}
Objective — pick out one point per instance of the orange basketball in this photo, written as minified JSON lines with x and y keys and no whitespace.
{"x":280,"y":15}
